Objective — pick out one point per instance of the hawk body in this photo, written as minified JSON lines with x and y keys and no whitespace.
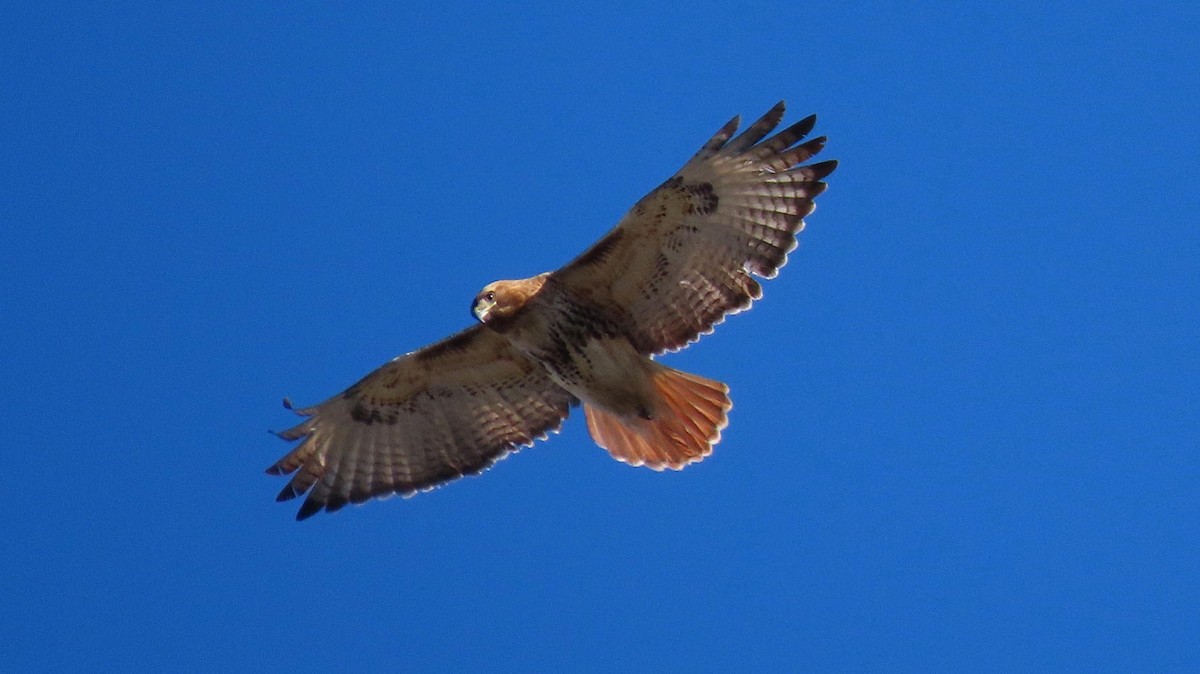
{"x":683,"y":258}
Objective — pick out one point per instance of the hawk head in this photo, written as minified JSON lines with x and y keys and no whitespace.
{"x":498,"y":303}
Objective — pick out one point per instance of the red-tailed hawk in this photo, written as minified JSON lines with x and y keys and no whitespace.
{"x":682,"y":259}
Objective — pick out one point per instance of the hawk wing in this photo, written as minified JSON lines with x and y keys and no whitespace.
{"x":450,"y":409}
{"x":684,"y":257}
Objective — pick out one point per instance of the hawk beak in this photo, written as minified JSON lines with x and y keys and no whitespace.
{"x":481,"y":309}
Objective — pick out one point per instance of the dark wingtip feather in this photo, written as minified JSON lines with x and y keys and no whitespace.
{"x":822,"y":169}
{"x":811,"y":148}
{"x":807,"y":123}
{"x":294,"y":433}
{"x":795,"y":132}
{"x":724,"y":133}
{"x":309,"y":509}
{"x":288,"y":493}
{"x":756,"y":131}
{"x":718,"y":140}
{"x":776,"y":112}
{"x":788,"y":159}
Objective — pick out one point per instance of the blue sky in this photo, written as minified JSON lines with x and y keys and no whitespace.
{"x":965,"y":429}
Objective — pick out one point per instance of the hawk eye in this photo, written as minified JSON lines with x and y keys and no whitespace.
{"x":491,"y":297}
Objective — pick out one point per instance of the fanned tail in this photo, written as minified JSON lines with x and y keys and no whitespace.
{"x":691,"y":412}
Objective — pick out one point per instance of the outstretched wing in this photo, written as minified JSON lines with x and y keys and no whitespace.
{"x":450,"y":409}
{"x":684,"y":257}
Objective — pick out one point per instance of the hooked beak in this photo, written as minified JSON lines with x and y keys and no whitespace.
{"x":481,"y":308}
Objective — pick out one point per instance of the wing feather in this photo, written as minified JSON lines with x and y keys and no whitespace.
{"x":756,"y":131}
{"x":451,"y":409}
{"x":683,"y":257}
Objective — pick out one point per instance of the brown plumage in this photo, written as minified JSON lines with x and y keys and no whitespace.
{"x":683,"y":258}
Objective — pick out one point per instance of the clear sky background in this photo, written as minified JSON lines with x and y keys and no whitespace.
{"x":965,"y":432}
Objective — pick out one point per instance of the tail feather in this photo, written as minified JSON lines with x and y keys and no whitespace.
{"x":688,"y":420}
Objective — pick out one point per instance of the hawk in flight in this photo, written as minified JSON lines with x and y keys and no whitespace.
{"x":680,"y":260}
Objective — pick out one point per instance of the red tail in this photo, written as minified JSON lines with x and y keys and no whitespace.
{"x":690,"y":414}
